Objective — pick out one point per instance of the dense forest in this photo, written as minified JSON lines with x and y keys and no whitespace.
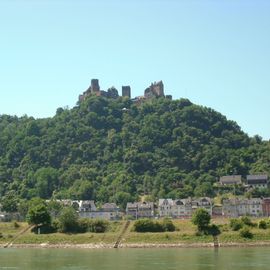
{"x":113,"y":150}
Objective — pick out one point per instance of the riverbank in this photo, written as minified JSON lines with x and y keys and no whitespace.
{"x":139,"y":246}
{"x":184,"y":237}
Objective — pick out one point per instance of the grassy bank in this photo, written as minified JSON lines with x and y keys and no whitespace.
{"x":185,"y":234}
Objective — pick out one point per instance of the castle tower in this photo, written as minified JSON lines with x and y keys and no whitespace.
{"x":158,"y":89}
{"x":126,"y":91}
{"x":95,"y":86}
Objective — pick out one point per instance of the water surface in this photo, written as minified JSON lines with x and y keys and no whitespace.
{"x":134,"y":259}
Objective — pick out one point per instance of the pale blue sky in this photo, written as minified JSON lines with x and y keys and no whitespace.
{"x":216,"y":53}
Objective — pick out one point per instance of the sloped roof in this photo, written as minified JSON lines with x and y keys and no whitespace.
{"x":165,"y":202}
{"x":230,"y":179}
{"x":257,"y":179}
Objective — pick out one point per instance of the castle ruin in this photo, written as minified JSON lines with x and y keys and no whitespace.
{"x":126,"y":91}
{"x":94,"y":89}
{"x":155,"y":90}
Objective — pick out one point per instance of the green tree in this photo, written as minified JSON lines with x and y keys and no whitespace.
{"x":46,"y":181}
{"x":201,"y":218}
{"x":10,"y":202}
{"x":68,"y":220}
{"x":38,"y":215}
{"x":55,"y":208}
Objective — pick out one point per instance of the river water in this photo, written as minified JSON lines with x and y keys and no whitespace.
{"x":136,"y":259}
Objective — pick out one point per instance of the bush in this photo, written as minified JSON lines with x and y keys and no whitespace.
{"x":44,"y":229}
{"x":16,"y":225}
{"x":224,"y":227}
{"x":168,"y":225}
{"x":147,"y":225}
{"x":98,"y":225}
{"x":55,"y":225}
{"x":68,"y":220}
{"x":262,"y":224}
{"x":246,"y":233}
{"x":213,"y":230}
{"x":1,"y":235}
{"x":83,"y":224}
{"x":236,"y":224}
{"x":92,"y":225}
{"x":247,"y":221}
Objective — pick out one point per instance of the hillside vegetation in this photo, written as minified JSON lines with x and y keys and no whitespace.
{"x":114,"y":150}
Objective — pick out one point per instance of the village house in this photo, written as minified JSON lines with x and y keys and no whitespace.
{"x":266,"y":207}
{"x":230,"y":180}
{"x":108,"y":211}
{"x":140,"y":210}
{"x":204,"y":203}
{"x":238,"y":207}
{"x":87,"y":206}
{"x":257,"y":181}
{"x":88,"y":209}
{"x":165,"y":207}
{"x":217,"y":211}
{"x":183,"y":208}
{"x":113,"y":210}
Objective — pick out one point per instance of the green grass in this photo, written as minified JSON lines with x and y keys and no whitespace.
{"x":185,"y":234}
{"x":109,"y":237}
{"x":8,"y":230}
{"x":61,"y":238}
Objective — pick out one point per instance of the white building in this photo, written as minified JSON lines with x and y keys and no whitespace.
{"x":183,"y":208}
{"x":242,"y":207}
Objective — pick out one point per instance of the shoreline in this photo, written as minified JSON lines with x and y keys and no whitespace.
{"x":138,"y":246}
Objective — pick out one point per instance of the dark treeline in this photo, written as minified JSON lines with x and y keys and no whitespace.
{"x":114,"y":150}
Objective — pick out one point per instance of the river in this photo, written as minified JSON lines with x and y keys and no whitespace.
{"x":136,"y":259}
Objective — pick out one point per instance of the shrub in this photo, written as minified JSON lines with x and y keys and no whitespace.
{"x":16,"y":225}
{"x":98,"y":225}
{"x":224,"y":227}
{"x":236,"y":224}
{"x":213,"y":230}
{"x":262,"y":224}
{"x":55,"y":225}
{"x":247,"y":221}
{"x":1,"y":235}
{"x":44,"y":229}
{"x":168,"y":225}
{"x":246,"y":233}
{"x":68,"y":220}
{"x":83,"y":224}
{"x":92,"y":225}
{"x":147,"y":225}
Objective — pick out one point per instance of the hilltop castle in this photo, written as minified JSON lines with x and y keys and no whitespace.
{"x":155,"y":90}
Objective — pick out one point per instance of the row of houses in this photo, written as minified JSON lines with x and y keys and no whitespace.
{"x":236,"y":207}
{"x":255,"y":207}
{"x":88,"y":209}
{"x":179,"y":208}
{"x":251,"y":181}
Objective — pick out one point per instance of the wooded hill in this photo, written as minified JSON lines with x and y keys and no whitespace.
{"x":113,"y":150}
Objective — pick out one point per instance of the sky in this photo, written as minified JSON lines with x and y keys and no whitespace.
{"x":215,"y":53}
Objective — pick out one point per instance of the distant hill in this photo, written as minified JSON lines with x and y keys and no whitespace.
{"x":114,"y":150}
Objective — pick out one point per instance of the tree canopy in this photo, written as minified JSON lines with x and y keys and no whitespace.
{"x":97,"y":150}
